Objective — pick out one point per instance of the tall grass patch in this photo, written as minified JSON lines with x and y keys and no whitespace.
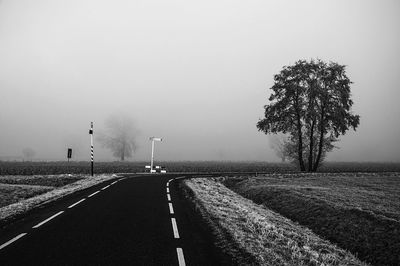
{"x":360,"y":212}
{"x":10,"y":194}
{"x":258,"y":236}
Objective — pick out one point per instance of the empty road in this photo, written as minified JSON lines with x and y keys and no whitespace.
{"x":132,"y":220}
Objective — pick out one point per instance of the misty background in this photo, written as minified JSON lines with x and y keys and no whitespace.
{"x":196,"y":73}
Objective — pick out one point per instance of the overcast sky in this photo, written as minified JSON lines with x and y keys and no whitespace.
{"x":196,"y":73}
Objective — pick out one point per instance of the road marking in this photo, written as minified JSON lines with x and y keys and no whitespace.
{"x":168,"y":197}
{"x":167,"y":184}
{"x":105,"y":187}
{"x":114,"y":182}
{"x":174,"y":228}
{"x":48,"y":219}
{"x":167,"y":190}
{"x":181,"y":258}
{"x":91,"y":195}
{"x":76,"y":203}
{"x":171,"y":208}
{"x":12,"y":240}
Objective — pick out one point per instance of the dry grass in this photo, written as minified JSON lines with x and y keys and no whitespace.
{"x":13,"y":193}
{"x":41,"y":180}
{"x":263,"y":236}
{"x":27,"y":197}
{"x":359,"y":212}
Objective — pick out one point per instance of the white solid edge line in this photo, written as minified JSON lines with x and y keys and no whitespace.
{"x":105,"y":187}
{"x":114,"y":182}
{"x":12,"y":240}
{"x":168,"y":197}
{"x":174,"y":228}
{"x":91,"y":195}
{"x":181,"y":258}
{"x":48,"y":219}
{"x":167,"y":190}
{"x":76,"y":203}
{"x":171,"y":208}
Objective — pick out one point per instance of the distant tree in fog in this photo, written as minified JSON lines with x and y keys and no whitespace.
{"x":28,"y":154}
{"x":279,"y":143}
{"x":311,"y":101}
{"x":119,"y":136}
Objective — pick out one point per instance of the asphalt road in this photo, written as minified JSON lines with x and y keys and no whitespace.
{"x":134,"y":220}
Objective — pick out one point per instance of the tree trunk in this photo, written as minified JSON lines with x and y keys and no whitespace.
{"x":123,"y":152}
{"x":321,"y":140}
{"x":310,"y":155}
{"x":299,"y":134}
{"x":300,"y":145}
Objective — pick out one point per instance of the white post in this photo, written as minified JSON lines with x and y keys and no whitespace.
{"x":152,"y":152}
{"x":152,"y":155}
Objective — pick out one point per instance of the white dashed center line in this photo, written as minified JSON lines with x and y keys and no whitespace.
{"x":12,"y":240}
{"x":175,"y":228}
{"x":76,"y":203}
{"x":48,"y":219}
{"x":179,"y":251}
{"x":73,"y":205}
{"x":181,"y":258}
{"x":91,"y":195}
{"x":171,"y":208}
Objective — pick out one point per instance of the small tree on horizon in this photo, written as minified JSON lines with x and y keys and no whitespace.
{"x":28,"y":154}
{"x":279,"y":143}
{"x":119,"y":136}
{"x":311,"y":101}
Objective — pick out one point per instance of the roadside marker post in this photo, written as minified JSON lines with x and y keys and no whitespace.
{"x":91,"y":148}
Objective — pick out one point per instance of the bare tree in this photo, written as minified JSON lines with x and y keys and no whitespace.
{"x":119,"y":136}
{"x":28,"y":154}
{"x":279,"y":143}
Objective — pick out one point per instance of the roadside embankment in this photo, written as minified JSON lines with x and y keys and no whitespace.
{"x":359,"y":212}
{"x":22,"y":194}
{"x":253,"y":235}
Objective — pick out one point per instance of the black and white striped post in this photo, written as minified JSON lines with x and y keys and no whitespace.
{"x":91,"y":147}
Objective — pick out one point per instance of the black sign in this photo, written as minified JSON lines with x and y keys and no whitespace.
{"x":69,"y":155}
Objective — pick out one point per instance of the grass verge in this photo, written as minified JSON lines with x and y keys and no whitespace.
{"x":254,"y":235}
{"x":13,"y":193}
{"x":25,"y":204}
{"x":41,"y":180}
{"x":359,"y":212}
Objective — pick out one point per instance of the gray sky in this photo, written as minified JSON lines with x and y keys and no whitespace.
{"x":197,"y":73}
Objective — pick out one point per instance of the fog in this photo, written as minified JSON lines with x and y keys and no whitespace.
{"x":196,"y":73}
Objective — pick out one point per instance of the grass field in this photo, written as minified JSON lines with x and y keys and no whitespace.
{"x":14,"y":193}
{"x":16,"y":188}
{"x":359,"y":212}
{"x":19,"y":194}
{"x":48,"y":168}
{"x":253,"y":235}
